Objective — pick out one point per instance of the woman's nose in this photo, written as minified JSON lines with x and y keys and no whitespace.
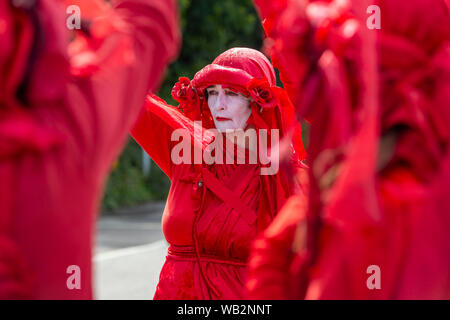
{"x":221,"y":103}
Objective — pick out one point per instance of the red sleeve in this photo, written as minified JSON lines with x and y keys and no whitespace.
{"x":153,"y":130}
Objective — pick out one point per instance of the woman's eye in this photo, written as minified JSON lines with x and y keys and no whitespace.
{"x":212,"y":92}
{"x":231,"y":93}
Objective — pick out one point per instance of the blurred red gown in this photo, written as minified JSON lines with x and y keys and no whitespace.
{"x":407,"y":237}
{"x":412,"y":253}
{"x":56,"y":152}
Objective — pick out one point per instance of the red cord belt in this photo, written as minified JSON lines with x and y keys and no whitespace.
{"x":188,"y":253}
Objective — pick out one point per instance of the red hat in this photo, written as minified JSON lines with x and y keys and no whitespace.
{"x":249,"y":72}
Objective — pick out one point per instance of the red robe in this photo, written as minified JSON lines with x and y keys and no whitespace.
{"x":213,"y":212}
{"x":57,"y":151}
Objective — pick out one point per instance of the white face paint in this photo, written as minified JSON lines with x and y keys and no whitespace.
{"x":230,"y":110}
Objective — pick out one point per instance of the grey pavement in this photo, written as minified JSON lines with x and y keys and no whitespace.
{"x":129,"y":253}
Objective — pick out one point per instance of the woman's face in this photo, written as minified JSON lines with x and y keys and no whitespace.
{"x":230,"y":110}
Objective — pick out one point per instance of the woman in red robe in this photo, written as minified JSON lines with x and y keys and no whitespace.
{"x":214,"y":210}
{"x":376,"y":221}
{"x":63,"y":119}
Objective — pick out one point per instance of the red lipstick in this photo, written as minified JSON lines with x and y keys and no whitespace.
{"x":222,"y":119}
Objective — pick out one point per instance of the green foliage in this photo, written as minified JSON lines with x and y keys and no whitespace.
{"x":209,"y":27}
{"x":128,"y":186}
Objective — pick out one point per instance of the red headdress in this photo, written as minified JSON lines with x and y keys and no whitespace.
{"x":249,"y":72}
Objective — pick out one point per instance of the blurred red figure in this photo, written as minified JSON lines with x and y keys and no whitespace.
{"x":215,"y":210}
{"x":63,"y":120}
{"x":374,"y":222}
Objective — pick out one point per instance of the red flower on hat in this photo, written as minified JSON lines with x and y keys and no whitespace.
{"x":261,"y":92}
{"x":185,"y":94}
